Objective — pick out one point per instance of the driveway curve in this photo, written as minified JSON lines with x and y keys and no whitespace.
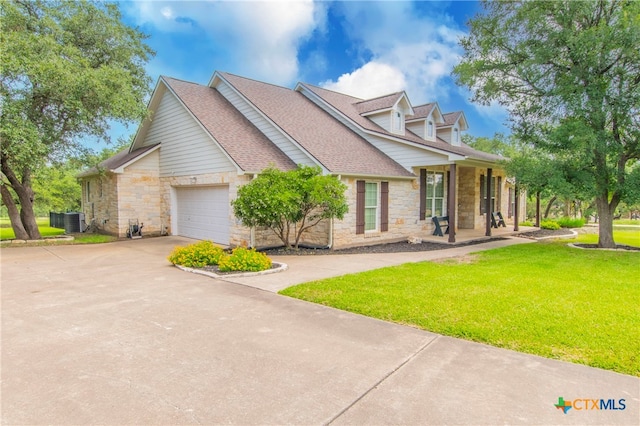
{"x":113,"y":334}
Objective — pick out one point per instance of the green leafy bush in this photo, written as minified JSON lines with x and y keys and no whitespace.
{"x":526,"y":223}
{"x":549,"y":224}
{"x":244,"y":259}
{"x":197,"y":255}
{"x":568,"y":222}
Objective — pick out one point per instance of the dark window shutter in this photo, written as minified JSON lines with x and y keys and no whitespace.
{"x":510,"y":208}
{"x":499,"y":194}
{"x":384,"y":206}
{"x":423,"y":193}
{"x":360,"y":207}
{"x":483,"y":189}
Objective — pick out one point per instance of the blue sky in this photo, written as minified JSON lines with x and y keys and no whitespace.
{"x":365,"y":49}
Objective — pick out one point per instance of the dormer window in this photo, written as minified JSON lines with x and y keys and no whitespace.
{"x":398,"y":120}
{"x":430,"y":129}
{"x":456,"y":135}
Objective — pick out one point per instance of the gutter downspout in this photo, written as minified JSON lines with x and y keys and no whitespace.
{"x":330,"y":244}
{"x":252,"y":230}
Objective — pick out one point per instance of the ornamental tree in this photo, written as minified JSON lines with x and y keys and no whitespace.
{"x":569,"y":74}
{"x":68,"y":69}
{"x":290,"y":202}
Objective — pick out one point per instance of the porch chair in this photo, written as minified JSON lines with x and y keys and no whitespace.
{"x":439,"y":222}
{"x":497,"y":220}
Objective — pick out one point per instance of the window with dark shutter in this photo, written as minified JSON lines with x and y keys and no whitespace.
{"x":498,"y":194}
{"x":360,"y":190}
{"x":483,"y":196}
{"x":423,"y":193}
{"x":384,"y":206}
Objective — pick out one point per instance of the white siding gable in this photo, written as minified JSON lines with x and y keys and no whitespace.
{"x":407,"y":156}
{"x":419,"y":128}
{"x":186,"y":148}
{"x":445,"y":134}
{"x":148,"y":163}
{"x":275,"y":135}
{"x":382,"y":119}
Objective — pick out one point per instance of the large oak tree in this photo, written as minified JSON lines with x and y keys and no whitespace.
{"x":69,"y":68}
{"x":569,"y":73}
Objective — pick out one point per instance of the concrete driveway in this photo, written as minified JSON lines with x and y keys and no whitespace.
{"x":112,"y":334}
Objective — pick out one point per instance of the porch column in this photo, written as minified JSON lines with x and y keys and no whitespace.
{"x":516,"y":209}
{"x":451,"y":203}
{"x":487,"y":206}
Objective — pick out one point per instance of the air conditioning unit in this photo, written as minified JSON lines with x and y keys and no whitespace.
{"x":73,"y":222}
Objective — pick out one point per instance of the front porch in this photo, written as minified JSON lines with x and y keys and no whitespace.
{"x":467,"y":194}
{"x":467,"y":235}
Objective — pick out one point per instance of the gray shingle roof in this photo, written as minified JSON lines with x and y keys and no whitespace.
{"x":450,"y":118}
{"x":422,"y":111}
{"x":331,"y":143}
{"x":377,"y":104}
{"x":118,"y":160}
{"x":346,"y":105}
{"x":242,"y":141}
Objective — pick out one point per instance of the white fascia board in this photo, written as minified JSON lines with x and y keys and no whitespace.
{"x":378,"y":111}
{"x":133,"y":160}
{"x":263,"y":115}
{"x":463,"y":119}
{"x":406,"y":99}
{"x":156,"y":96}
{"x":359,"y":128}
{"x":485,"y":164}
{"x":359,"y":175}
{"x":238,"y":169}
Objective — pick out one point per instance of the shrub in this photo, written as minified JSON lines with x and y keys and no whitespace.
{"x":567,"y":222}
{"x":244,"y":259}
{"x":197,"y":255}
{"x":526,"y":223}
{"x":549,"y":224}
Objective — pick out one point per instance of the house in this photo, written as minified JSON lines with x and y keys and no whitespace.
{"x":402,"y":163}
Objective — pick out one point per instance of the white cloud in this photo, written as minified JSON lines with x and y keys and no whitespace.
{"x":258,"y":39}
{"x":371,"y":80}
{"x":422,"y":48}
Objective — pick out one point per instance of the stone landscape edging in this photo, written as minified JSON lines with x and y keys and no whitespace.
{"x":597,"y":248}
{"x":281,"y":267}
{"x":571,"y":235}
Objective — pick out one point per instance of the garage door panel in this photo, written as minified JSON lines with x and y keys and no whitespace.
{"x":203,"y":213}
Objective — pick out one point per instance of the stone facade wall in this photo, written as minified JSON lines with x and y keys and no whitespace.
{"x":141,"y":194}
{"x":467,"y":197}
{"x":404,"y":214}
{"x":100,"y":203}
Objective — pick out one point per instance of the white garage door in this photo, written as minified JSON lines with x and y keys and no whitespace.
{"x":203,"y":213}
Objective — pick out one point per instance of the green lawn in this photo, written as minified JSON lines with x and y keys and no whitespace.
{"x":6,"y":233}
{"x":629,"y":236}
{"x":542,"y":298}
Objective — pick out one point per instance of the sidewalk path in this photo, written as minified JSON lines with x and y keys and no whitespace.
{"x":309,"y":268}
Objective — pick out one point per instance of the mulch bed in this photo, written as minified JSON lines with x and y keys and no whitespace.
{"x":401,"y":247}
{"x":540,"y":233}
{"x":595,"y":246}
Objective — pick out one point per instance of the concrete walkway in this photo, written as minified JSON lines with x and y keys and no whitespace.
{"x":113,"y":334}
{"x":308,"y":268}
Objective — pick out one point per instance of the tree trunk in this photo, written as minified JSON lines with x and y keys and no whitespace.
{"x":605,"y":228}
{"x":14,"y":214}
{"x":26,"y":196}
{"x":538,"y":209}
{"x":546,"y":212}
